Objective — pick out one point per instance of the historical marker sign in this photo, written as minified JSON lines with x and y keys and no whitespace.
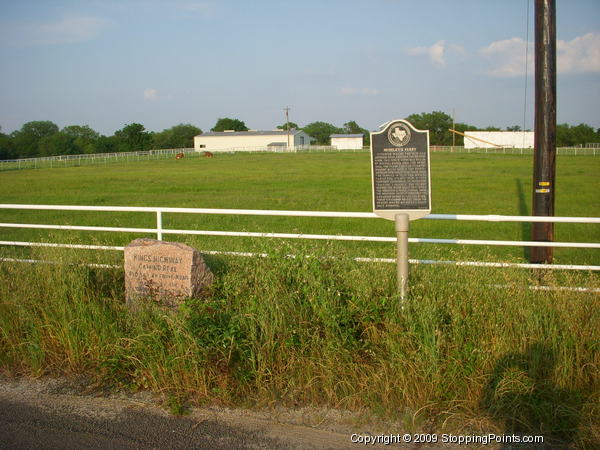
{"x":166,"y":272}
{"x":400,"y":171}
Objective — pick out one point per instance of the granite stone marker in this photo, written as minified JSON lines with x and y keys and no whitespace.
{"x":165,"y":272}
{"x":400,"y":171}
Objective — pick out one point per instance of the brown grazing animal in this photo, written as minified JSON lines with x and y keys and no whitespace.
{"x":179,"y":155}
{"x":208,"y":155}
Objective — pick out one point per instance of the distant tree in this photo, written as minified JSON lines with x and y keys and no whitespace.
{"x":569,"y":136}
{"x":491,"y":128}
{"x":437,"y":122}
{"x":563,"y":135}
{"x":7,"y":148}
{"x":584,"y":134}
{"x":321,"y":131}
{"x":84,"y":138}
{"x":178,"y":136}
{"x":81,"y":131}
{"x":26,"y":139}
{"x":353,"y":128}
{"x":513,"y":128}
{"x":106,"y":144}
{"x":58,"y":144}
{"x":226,"y":123}
{"x":133,"y":137}
{"x":293,"y":126}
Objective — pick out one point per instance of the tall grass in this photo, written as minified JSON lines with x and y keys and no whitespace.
{"x":470,"y":349}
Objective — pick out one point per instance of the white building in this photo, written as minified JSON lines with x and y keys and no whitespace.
{"x":252,"y":140}
{"x":504,"y":139}
{"x":347,"y":141}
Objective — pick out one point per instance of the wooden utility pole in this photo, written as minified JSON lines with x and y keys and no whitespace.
{"x":544,"y":156}
{"x":453,"y":135}
{"x":287,"y":125}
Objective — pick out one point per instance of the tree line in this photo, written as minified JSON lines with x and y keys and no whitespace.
{"x":45,"y":138}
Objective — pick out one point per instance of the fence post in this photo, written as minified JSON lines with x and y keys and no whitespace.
{"x":159,"y":225}
{"x":402,"y":225}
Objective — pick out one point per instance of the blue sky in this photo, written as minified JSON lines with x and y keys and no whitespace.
{"x":107,"y":63}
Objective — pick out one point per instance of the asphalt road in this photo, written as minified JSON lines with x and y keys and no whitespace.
{"x":24,"y":426}
{"x":59,"y":414}
{"x":47,"y":414}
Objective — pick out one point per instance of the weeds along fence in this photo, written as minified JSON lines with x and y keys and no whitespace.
{"x":159,"y":231}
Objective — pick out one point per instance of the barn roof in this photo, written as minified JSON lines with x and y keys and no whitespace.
{"x":251,"y":133}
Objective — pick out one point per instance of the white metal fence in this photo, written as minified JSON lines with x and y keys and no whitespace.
{"x":160,"y":231}
{"x":92,"y":158}
{"x":107,"y":158}
{"x":575,"y":151}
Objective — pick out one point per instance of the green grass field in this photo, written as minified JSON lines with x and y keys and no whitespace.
{"x":461,"y":183}
{"x":470,"y":351}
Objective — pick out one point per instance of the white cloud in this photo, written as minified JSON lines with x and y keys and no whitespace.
{"x":68,"y":30}
{"x":507,"y":57}
{"x":435,"y":53}
{"x":153,"y":95}
{"x":582,"y":54}
{"x":150,"y":94}
{"x":438,"y":52}
{"x":359,"y":91}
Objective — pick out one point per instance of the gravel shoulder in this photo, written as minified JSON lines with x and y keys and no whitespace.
{"x":51,"y":413}
{"x":59,"y":413}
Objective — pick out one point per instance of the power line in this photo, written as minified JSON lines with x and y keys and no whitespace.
{"x":526,"y":75}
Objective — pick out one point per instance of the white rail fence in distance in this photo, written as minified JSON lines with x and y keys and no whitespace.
{"x":107,"y":158}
